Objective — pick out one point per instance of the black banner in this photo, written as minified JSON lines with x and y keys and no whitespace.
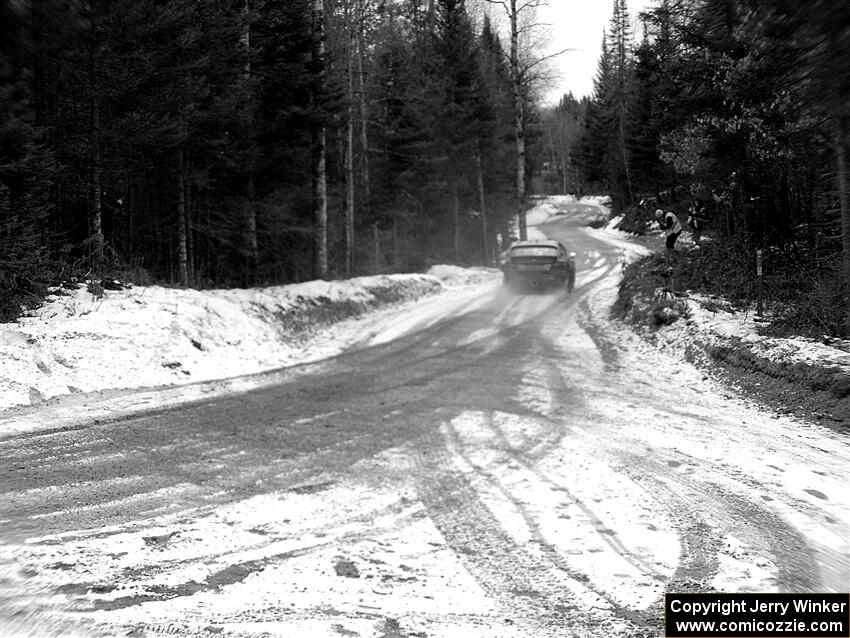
{"x":726,"y":615}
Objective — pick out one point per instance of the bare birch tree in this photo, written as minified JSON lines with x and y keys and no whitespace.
{"x":521,"y":18}
{"x":250,"y":223}
{"x":319,"y":150}
{"x":182,"y":222}
{"x":96,"y":223}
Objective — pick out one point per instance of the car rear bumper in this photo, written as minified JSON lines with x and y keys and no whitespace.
{"x":536,"y":281}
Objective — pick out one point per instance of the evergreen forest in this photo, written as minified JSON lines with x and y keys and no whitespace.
{"x":738,"y":110}
{"x":255,"y":142}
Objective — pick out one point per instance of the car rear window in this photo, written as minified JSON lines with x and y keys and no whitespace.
{"x":534,"y":251}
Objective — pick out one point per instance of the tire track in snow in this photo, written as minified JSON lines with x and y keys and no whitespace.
{"x":527,"y":459}
{"x":539,"y":348}
{"x":514,"y":576}
{"x":524,"y":460}
{"x":523,"y":585}
{"x":707,"y":512}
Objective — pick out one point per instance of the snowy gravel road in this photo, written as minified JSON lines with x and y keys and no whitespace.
{"x":498,"y":466}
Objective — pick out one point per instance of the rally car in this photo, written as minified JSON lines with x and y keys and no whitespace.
{"x":540,"y":264}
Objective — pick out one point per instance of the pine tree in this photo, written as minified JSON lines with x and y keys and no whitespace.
{"x":495,"y":130}
{"x":594,"y":144}
{"x":26,"y":173}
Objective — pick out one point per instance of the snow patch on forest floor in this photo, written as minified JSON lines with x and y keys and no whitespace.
{"x":712,"y":324}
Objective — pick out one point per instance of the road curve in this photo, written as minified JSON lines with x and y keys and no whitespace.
{"x":519,"y":467}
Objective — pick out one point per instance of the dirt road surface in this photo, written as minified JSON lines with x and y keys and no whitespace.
{"x":513,"y":465}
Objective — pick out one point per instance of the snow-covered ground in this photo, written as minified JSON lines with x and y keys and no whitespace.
{"x":140,"y":337}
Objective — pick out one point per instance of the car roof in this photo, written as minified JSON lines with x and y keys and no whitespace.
{"x":551,"y":243}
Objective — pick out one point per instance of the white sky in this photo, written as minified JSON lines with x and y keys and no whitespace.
{"x":578,"y":24}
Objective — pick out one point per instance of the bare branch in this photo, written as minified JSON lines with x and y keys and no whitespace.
{"x":532,"y":26}
{"x":550,"y":56}
{"x":525,"y":6}
{"x":532,"y":4}
{"x":503,"y":4}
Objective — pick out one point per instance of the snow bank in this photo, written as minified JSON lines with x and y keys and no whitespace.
{"x":541,"y":212}
{"x":150,"y":336}
{"x":454,"y":276}
{"x":806,"y":376}
{"x":711,"y":324}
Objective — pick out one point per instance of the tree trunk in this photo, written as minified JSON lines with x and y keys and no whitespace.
{"x":396,"y":241}
{"x":96,"y":233}
{"x":519,"y":120}
{"x":96,"y":187}
{"x":624,"y":149}
{"x":376,"y":256}
{"x":130,"y":207}
{"x":182,"y":245}
{"x":189,"y":204}
{"x":482,"y":207}
{"x":844,"y":201}
{"x":455,"y":224}
{"x":251,"y":244}
{"x":349,"y":161}
{"x":320,"y":205}
{"x":621,"y":16}
{"x":319,"y":135}
{"x":245,"y":38}
{"x":364,"y":116}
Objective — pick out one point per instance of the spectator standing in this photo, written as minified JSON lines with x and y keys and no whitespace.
{"x":671,"y":225}
{"x":697,"y":220}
